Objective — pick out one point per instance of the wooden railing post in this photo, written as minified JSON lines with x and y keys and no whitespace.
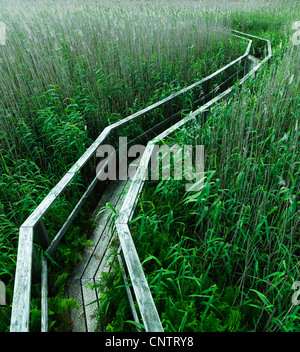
{"x":20,"y":314}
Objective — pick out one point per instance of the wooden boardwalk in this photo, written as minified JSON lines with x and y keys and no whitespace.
{"x":95,"y":260}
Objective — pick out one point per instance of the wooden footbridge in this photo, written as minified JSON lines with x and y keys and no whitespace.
{"x":123,"y":196}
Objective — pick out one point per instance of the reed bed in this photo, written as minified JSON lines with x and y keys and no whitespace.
{"x":225,"y":258}
{"x":68,"y":71}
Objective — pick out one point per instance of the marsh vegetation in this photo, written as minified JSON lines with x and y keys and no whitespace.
{"x":225,"y":263}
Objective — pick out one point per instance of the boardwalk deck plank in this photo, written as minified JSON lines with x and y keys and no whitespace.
{"x":95,"y":260}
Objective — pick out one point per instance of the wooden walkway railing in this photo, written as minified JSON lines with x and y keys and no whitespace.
{"x":34,"y":227}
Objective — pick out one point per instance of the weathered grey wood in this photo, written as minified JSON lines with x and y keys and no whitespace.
{"x":22,"y":287}
{"x":2,"y":294}
{"x":104,"y":232}
{"x":104,"y":265}
{"x":87,"y":254}
{"x":44,"y":304}
{"x":112,"y":194}
{"x":77,"y":314}
{"x":99,"y":218}
{"x":91,"y":297}
{"x":98,"y":262}
{"x":151,"y":319}
{"x":99,"y":253}
{"x":140,"y":285}
{"x":93,"y":261}
{"x":136,"y":184}
{"x":90,"y":304}
{"x":129,"y":295}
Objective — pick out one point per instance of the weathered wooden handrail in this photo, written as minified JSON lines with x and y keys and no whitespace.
{"x":20,"y":316}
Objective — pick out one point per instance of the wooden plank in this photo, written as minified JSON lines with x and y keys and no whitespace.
{"x":22,"y":286}
{"x":104,"y":232}
{"x":98,"y":253}
{"x":86,"y":256}
{"x":44,"y":304}
{"x":105,"y":264}
{"x":90,"y":309}
{"x":2,"y":294}
{"x":142,"y":292}
{"x":128,"y":291}
{"x":136,"y":184}
{"x":88,"y":251}
{"x":77,"y":314}
{"x":85,"y":271}
{"x":111,"y":194}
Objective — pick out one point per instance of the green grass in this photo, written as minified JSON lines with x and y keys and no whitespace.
{"x":225,"y":258}
{"x":67,"y":73}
